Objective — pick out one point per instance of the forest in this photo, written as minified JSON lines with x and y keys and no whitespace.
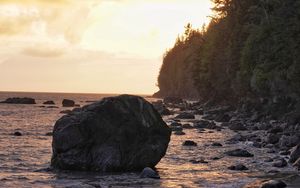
{"x":250,"y":49}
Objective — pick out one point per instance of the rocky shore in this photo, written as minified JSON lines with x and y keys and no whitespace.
{"x":253,"y":125}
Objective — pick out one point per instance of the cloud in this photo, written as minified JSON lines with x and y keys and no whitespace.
{"x":60,"y":18}
{"x":49,"y":52}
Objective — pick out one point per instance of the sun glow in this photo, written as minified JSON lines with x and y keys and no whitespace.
{"x":90,"y":46}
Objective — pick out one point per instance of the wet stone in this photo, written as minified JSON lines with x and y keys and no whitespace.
{"x":239,"y":153}
{"x":274,"y":184}
{"x":238,"y":167}
{"x":17,"y":133}
{"x":149,"y":173}
{"x":189,"y":143}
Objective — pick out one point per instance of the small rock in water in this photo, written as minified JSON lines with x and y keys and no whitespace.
{"x":49,"y":102}
{"x":179,"y":133}
{"x":17,"y":133}
{"x":217,"y":144}
{"x":149,"y":173}
{"x":187,"y":126}
{"x":274,"y":184}
{"x":65,"y":111}
{"x":18,"y":100}
{"x":198,"y":161}
{"x":68,"y":103}
{"x":189,"y":143}
{"x":280,"y":163}
{"x":49,"y":134}
{"x":239,"y":167}
{"x":239,"y":153}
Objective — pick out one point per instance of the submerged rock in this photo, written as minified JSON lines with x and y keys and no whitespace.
{"x":179,"y":133}
{"x":239,"y":153}
{"x":17,"y":100}
{"x":149,"y":173}
{"x":17,"y":133}
{"x":65,"y":111}
{"x":121,"y":133}
{"x":49,"y":102}
{"x":68,"y":103}
{"x":189,"y":143}
{"x":274,"y":184}
{"x":238,"y":167}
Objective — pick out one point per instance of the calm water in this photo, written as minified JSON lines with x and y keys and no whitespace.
{"x":24,"y":159}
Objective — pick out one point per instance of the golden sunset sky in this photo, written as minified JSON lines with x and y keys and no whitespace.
{"x":90,"y":46}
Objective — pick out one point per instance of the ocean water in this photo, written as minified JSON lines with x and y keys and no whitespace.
{"x":24,"y":160}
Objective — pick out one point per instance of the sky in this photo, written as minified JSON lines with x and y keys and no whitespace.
{"x":90,"y":46}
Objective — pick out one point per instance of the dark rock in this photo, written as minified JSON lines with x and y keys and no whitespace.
{"x":216,"y":144}
{"x":237,"y":126}
{"x":203,"y":124}
{"x":179,"y":133}
{"x":65,"y":111}
{"x":173,"y":100}
{"x":149,"y":173}
{"x":274,"y":184}
{"x":52,"y":107}
{"x":187,"y":126}
{"x":68,"y":103}
{"x":198,"y":161}
{"x":49,"y":102}
{"x":185,"y":115}
{"x":257,"y":144}
{"x":295,"y":154}
{"x":272,"y":138}
{"x":276,"y":130}
{"x":199,"y":112}
{"x":121,"y":133}
{"x":280,"y":163}
{"x":49,"y":134}
{"x":17,"y":100}
{"x":285,"y":152}
{"x":222,"y":118}
{"x":209,"y":117}
{"x":237,"y":138}
{"x":239,"y":153}
{"x":189,"y":143}
{"x":239,"y":167}
{"x":267,"y":160}
{"x":175,"y":126}
{"x":17,"y":133}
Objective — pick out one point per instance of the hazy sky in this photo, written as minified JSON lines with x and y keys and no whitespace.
{"x":102,"y":46}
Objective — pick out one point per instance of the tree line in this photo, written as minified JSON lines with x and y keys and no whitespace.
{"x":251,"y":48}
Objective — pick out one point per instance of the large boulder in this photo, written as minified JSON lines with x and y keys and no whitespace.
{"x":68,"y":103}
{"x":123,"y":133}
{"x":17,"y":100}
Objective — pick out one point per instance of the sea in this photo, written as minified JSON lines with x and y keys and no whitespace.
{"x":25,"y":160}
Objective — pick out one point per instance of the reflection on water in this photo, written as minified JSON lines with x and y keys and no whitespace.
{"x":24,"y":160}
